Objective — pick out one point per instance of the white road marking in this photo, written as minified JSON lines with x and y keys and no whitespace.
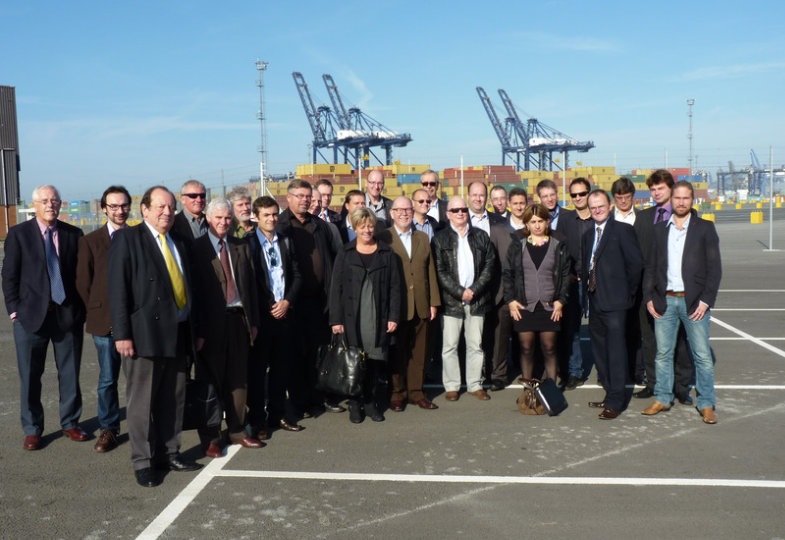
{"x":747,"y":309}
{"x":752,"y":291}
{"x":745,"y":335}
{"x":745,"y":339}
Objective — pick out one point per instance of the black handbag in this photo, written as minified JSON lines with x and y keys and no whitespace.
{"x":203,"y":406}
{"x":551,"y":397}
{"x":340,"y":368}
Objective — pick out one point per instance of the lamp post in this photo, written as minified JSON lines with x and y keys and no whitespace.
{"x":690,"y":103}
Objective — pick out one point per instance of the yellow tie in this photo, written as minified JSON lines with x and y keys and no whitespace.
{"x":174,"y":274}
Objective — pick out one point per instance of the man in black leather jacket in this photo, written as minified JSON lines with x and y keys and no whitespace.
{"x":464,"y":260}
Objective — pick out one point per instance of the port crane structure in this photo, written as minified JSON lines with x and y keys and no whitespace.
{"x":350,"y":133}
{"x":530,"y":144}
{"x":753,"y":177}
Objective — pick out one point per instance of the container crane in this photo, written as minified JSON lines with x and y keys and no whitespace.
{"x":349,"y":132}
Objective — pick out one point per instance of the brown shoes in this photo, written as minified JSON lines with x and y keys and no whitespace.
{"x":75,"y":434}
{"x":107,"y":441}
{"x":396,"y":406}
{"x":597,"y":404}
{"x":708,"y":415}
{"x":213,"y":451}
{"x":451,"y":396}
{"x":655,"y":408}
{"x":481,"y":394}
{"x":425,"y":403}
{"x":609,"y":414}
{"x":32,"y":442}
{"x":285,"y":425}
{"x":248,"y":442}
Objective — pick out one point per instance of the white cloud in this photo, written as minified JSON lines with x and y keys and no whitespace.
{"x":727,"y":72}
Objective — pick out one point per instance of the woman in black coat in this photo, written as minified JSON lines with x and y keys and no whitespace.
{"x":365,"y":304}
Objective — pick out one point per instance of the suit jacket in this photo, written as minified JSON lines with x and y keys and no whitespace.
{"x":182,"y":227}
{"x":644,"y":228}
{"x":92,"y":280}
{"x":701,"y":265}
{"x":141,"y":298}
{"x":291,"y":272}
{"x":573,"y":228}
{"x":212,"y":290}
{"x":442,"y":204}
{"x":421,"y":289}
{"x":501,"y":238}
{"x":619,"y":266}
{"x":333,"y":217}
{"x":26,"y":279}
{"x":563,"y":212}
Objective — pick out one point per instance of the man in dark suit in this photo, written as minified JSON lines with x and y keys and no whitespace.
{"x":613,"y":266}
{"x":429,"y":180}
{"x":498,"y":322}
{"x":479,"y":217}
{"x":499,"y":201}
{"x":39,"y":286}
{"x":419,"y":301}
{"x":421,"y":221}
{"x":681,"y":282}
{"x":548,"y":193}
{"x":154,"y":309}
{"x":660,"y":184}
{"x":190,"y":222}
{"x":325,"y":189}
{"x":278,"y":283}
{"x":623,"y":192}
{"x":229,"y":319}
{"x":92,"y":284}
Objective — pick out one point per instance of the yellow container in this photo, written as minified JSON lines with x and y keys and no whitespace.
{"x":756,"y":217}
{"x":718,"y":206}
{"x":778,"y":205}
{"x":324,"y":168}
{"x":708,"y":217}
{"x":758,"y":205}
{"x":738,"y":206}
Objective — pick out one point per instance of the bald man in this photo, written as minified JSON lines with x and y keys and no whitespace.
{"x":374,"y":199}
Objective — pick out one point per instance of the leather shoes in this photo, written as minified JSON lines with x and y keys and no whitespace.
{"x":147,"y":477}
{"x":655,"y":408}
{"x":497,"y":386}
{"x":107,"y":441}
{"x":708,"y":415}
{"x":333,"y":408}
{"x":396,"y":406}
{"x":284,"y":424}
{"x":481,"y":394}
{"x":75,"y":434}
{"x":425,"y":403}
{"x":213,"y":451}
{"x":609,"y":414}
{"x":32,"y":442}
{"x":356,"y":414}
{"x":451,"y":396}
{"x":178,"y":464}
{"x":597,"y":404}
{"x":248,"y":442}
{"x":646,"y":393}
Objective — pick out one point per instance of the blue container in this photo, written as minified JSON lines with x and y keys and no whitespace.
{"x":408,"y":178}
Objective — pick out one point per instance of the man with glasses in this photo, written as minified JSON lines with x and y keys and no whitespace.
{"x":374,"y":199}
{"x":423,"y":222}
{"x":623,"y":191}
{"x":464,"y":260}
{"x":39,"y":287}
{"x":92,"y":283}
{"x":421,"y":300}
{"x":429,"y":180}
{"x":548,"y":193}
{"x":278,"y":283}
{"x":190,"y":223}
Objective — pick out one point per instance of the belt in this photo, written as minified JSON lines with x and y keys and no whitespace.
{"x":235,"y":309}
{"x":676,"y":294}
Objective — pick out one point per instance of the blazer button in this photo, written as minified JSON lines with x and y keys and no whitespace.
{"x":157,"y":317}
{"x":152,"y":279}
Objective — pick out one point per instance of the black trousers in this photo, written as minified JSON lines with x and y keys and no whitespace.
{"x":609,"y":348}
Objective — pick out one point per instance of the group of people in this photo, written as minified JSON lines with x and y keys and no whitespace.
{"x":248,"y":303}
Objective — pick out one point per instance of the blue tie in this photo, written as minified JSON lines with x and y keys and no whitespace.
{"x":56,"y":288}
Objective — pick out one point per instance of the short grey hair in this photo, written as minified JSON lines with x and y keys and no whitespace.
{"x":237,"y":193}
{"x":45,"y":186}
{"x":218,"y":204}
{"x":196,"y":183}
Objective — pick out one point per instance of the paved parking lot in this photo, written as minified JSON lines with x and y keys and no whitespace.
{"x":470,"y":469}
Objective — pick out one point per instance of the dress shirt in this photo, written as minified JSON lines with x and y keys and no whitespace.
{"x":665,"y":216}
{"x":112,"y":230}
{"x":425,"y":227}
{"x":182,"y":314}
{"x":481,"y":222}
{"x":274,"y":273}
{"x":514,"y":225}
{"x":676,"y":240}
{"x":464,"y":259}
{"x":214,"y":241}
{"x":406,"y":239}
{"x":198,"y":227}
{"x":628,"y":219}
{"x":598,"y":229}
{"x":323,"y":215}
{"x":433,"y":211}
{"x":350,"y":234}
{"x":555,"y":216}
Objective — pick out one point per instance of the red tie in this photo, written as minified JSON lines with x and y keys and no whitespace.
{"x":230,"y":289}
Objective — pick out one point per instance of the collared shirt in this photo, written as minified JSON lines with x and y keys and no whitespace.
{"x":514,"y":225}
{"x":406,"y":239}
{"x":112,"y":230}
{"x":55,"y":235}
{"x":425,"y":227}
{"x":433,"y":211}
{"x":598,"y":230}
{"x":214,"y":241}
{"x":465,"y":259}
{"x":481,"y":222}
{"x":198,"y":227}
{"x":272,"y":254}
{"x":238,"y":231}
{"x":555,"y":213}
{"x":323,"y":215}
{"x":182,"y":314}
{"x":665,"y":215}
{"x":629,"y":218}
{"x":378,"y":209}
{"x":676,"y":240}
{"x":350,"y":234}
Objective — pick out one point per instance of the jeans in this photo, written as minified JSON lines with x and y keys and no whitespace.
{"x":451,"y":367}
{"x":666,"y":330}
{"x":109,"y":364}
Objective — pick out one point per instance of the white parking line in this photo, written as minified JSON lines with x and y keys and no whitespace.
{"x":752,"y":290}
{"x":745,"y":335}
{"x":747,"y":309}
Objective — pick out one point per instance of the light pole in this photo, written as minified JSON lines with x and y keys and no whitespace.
{"x":690,"y":103}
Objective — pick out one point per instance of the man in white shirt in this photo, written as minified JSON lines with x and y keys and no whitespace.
{"x":623,"y":191}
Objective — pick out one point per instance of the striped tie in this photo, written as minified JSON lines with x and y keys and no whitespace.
{"x":56,"y":288}
{"x":174,"y":274}
{"x":593,"y":268}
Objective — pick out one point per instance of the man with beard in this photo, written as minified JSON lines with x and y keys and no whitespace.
{"x":240,"y":199}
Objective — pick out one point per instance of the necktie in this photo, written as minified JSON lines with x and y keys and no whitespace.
{"x":660,"y":215}
{"x":593,"y":268}
{"x":56,"y":289}
{"x":230,"y":287}
{"x":174,"y":274}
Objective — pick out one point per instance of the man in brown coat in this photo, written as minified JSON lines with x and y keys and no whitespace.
{"x":229,"y":319}
{"x":419,"y":301}
{"x":92,"y":283}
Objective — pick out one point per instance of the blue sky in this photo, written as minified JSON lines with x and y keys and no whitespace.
{"x":149,"y":92}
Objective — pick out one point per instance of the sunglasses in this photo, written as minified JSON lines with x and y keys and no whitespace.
{"x":430,"y":184}
{"x":423,"y":201}
{"x":196,"y":195}
{"x":273,"y":257}
{"x":579,"y":194}
{"x":463,"y":210}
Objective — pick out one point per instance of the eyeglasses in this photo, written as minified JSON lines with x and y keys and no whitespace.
{"x":301,"y":196}
{"x":579,"y":194}
{"x":463,"y":210}
{"x":195,"y":195}
{"x":47,"y":202}
{"x":423,"y":201}
{"x":402,"y":210}
{"x":273,"y":257}
{"x":116,"y":207}
{"x":429,"y":184}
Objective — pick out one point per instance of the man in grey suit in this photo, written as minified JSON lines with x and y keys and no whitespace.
{"x":152,"y":301}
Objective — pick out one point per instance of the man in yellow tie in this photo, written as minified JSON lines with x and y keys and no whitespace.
{"x":153,"y":324}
